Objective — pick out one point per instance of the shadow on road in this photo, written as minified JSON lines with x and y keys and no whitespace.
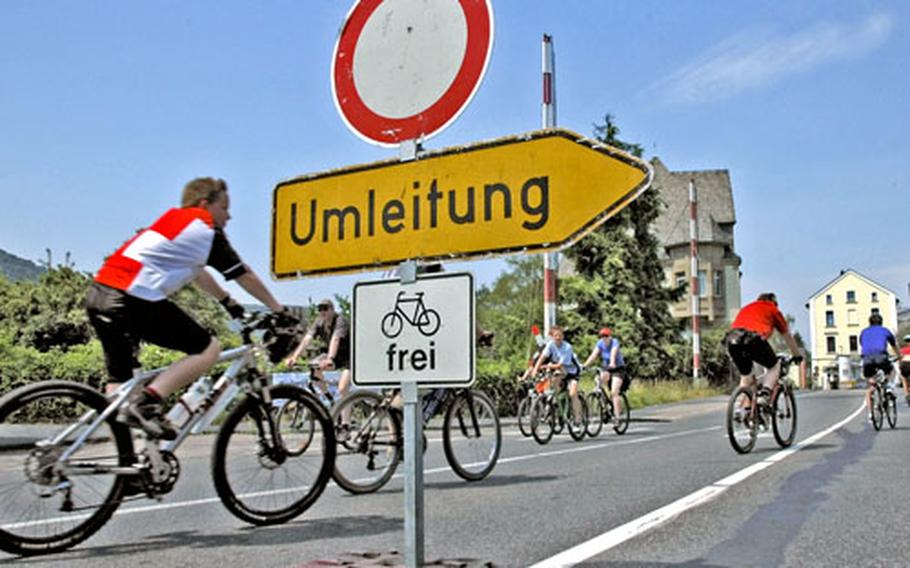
{"x":491,"y":482}
{"x":291,"y":533}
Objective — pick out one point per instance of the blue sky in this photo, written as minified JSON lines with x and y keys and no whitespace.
{"x":108,"y":108}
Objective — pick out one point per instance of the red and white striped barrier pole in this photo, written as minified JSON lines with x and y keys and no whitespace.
{"x":548,"y":118}
{"x":693,"y":255}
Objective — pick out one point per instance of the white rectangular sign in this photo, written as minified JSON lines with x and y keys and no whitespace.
{"x":421,"y":331}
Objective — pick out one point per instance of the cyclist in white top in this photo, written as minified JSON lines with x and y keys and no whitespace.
{"x":561,"y":359}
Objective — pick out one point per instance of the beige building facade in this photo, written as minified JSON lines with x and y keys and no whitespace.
{"x":719,"y":276}
{"x":838,"y":313}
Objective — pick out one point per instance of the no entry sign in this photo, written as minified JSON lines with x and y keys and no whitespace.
{"x":405,"y":69}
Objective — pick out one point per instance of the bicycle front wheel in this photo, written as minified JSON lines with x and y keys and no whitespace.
{"x":471,"y":436}
{"x":877,"y":409}
{"x":741,"y":427}
{"x":524,"y":416}
{"x":45,"y":505}
{"x":625,"y":415}
{"x":891,"y":409}
{"x":368,"y":437}
{"x":595,"y":414}
{"x":267,"y":476}
{"x":543,"y":419}
{"x":783,"y":420}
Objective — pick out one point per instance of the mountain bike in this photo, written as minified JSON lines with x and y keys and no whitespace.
{"x":600,"y":409}
{"x":554,"y":410}
{"x":534,"y":390}
{"x":368,"y":430}
{"x":884,"y":402}
{"x":755,"y":408}
{"x":66,"y":464}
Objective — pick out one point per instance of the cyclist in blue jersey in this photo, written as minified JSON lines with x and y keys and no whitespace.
{"x":612,"y":368}
{"x":559,"y":357}
{"x":874,"y":341}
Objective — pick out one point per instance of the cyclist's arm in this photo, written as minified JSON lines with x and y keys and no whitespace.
{"x":613,"y":354}
{"x":594,"y":354}
{"x":334,"y":344}
{"x":254,"y":286}
{"x":207,"y":283}
{"x":791,"y":343}
{"x":543,"y":355}
{"x":292,"y":358}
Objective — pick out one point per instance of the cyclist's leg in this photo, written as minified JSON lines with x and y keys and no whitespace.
{"x":869,"y":370}
{"x":615,"y":388}
{"x":110,"y":315}
{"x":164,"y":324}
{"x":573,"y":392}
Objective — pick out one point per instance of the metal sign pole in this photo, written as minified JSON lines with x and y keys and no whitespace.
{"x":413,"y":476}
{"x":413,"y":455}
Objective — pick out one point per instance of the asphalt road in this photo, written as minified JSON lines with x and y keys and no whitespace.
{"x":669,"y":492}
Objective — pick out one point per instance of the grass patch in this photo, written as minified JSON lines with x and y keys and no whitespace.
{"x":649,"y":393}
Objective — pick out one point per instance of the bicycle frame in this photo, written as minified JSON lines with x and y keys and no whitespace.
{"x":419,"y":316}
{"x":242,"y":357}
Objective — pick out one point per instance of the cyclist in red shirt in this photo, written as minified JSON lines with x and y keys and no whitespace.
{"x":905,"y":367}
{"x":747,"y":340}
{"x":128,"y":301}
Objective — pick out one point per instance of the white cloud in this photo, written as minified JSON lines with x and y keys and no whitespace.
{"x":752,"y":60}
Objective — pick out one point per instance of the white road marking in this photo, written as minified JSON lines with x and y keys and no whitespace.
{"x":622,"y":533}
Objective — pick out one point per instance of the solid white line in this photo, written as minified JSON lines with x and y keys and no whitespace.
{"x":620,"y":534}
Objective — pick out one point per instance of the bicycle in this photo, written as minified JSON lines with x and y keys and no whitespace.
{"x":426,"y":320}
{"x":755,"y":407}
{"x":554,"y":410}
{"x":884,"y":402}
{"x":66,"y":464}
{"x":368,"y":430}
{"x":600,"y":409}
{"x":534,"y":390}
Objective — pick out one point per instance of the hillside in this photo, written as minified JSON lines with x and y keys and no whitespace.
{"x":16,"y":268}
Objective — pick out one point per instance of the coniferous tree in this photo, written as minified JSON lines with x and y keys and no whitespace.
{"x":619,"y":282}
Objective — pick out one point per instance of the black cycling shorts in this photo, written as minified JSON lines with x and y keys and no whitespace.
{"x":876,"y":362}
{"x":122,"y":321}
{"x":905,"y":369}
{"x":747,"y":347}
{"x":619,"y":372}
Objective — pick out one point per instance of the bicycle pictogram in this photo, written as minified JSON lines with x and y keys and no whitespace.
{"x":426,"y":320}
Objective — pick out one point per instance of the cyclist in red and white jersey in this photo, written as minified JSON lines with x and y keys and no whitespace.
{"x":128,"y":301}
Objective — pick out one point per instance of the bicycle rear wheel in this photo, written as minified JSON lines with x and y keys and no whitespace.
{"x":877,"y":409}
{"x":368,"y":437}
{"x":783,"y":418}
{"x":741,"y":427}
{"x":577,"y":430}
{"x":43,"y":509}
{"x":543,"y":419}
{"x":625,"y":416}
{"x":265,"y":476}
{"x":891,"y":409}
{"x":471,"y":436}
{"x":524,"y":415}
{"x":595,"y":414}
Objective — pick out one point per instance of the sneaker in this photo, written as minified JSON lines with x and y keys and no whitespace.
{"x":617,"y":422}
{"x":145,"y":413}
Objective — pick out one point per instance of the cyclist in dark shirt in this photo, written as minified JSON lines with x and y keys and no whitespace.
{"x":128,"y":301}
{"x":330,"y":329}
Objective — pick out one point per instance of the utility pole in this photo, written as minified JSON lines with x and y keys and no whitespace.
{"x":694,"y":288}
{"x":548,"y":118}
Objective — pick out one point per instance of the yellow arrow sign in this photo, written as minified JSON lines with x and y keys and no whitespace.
{"x":538,"y":191}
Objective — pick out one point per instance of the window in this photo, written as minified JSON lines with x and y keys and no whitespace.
{"x":852,"y":318}
{"x":702,"y":284}
{"x":851,"y":296}
{"x":830,"y":344}
{"x":828,"y":299}
{"x":876,"y":312}
{"x":718,"y":283}
{"x":875,"y":296}
{"x":680,"y":279}
{"x":854,"y":345}
{"x":829,"y":318}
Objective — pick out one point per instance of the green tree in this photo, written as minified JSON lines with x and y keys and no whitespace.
{"x":619,"y":282}
{"x":509,"y":307}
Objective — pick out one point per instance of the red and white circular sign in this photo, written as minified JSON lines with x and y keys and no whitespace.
{"x":405,"y":69}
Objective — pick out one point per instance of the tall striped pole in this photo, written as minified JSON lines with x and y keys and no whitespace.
{"x":548,"y":118}
{"x":693,"y":261}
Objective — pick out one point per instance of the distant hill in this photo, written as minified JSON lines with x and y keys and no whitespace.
{"x":16,"y":268}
